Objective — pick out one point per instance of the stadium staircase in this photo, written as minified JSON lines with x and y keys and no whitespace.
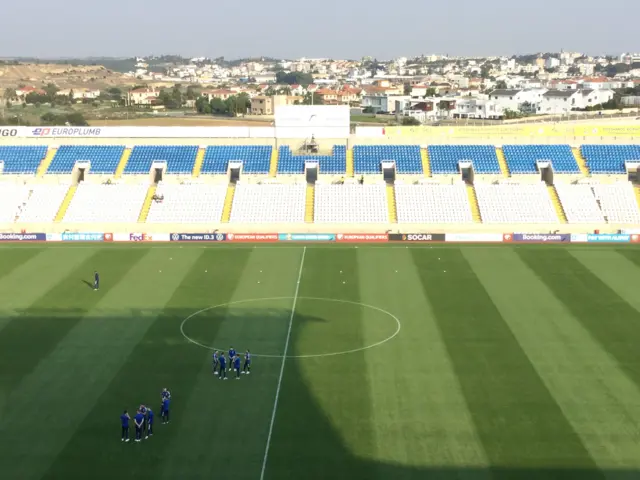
{"x":502,"y":161}
{"x":391,"y":203}
{"x":557,"y":204}
{"x":273,"y":166}
{"x":228,"y":203}
{"x":62,"y":211}
{"x":146,"y":206}
{"x":582,"y":163}
{"x":473,"y":203}
{"x":426,"y":166}
{"x":310,"y":203}
{"x":349,"y":162}
{"x":123,"y":162}
{"x":197,"y":167}
{"x":46,"y":161}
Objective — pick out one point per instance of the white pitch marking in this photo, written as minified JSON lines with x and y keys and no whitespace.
{"x":284,"y":359}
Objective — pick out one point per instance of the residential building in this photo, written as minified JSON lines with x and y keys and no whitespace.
{"x":266,"y":105}
{"x":384,"y":103}
{"x":24,"y":91}
{"x":557,"y":102}
{"x":143,"y":96}
{"x":551,"y":62}
{"x":221,"y":94}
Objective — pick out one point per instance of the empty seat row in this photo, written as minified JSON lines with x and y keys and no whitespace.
{"x":445,"y":159}
{"x":522,"y":159}
{"x":187,"y":204}
{"x":432,"y":204}
{"x":103,"y":159}
{"x":21,"y":159}
{"x":118,"y":203}
{"x":180,"y":159}
{"x":511,"y":203}
{"x":609,"y":159}
{"x":351,"y":203}
{"x":269,"y":203}
{"x":367,"y":159}
{"x":255,"y":159}
{"x":336,"y":163}
{"x":618,"y":202}
{"x":579,"y":203}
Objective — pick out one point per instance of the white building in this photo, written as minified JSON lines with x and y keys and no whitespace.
{"x":558,"y":102}
{"x":383,"y":103}
{"x":551,"y":63}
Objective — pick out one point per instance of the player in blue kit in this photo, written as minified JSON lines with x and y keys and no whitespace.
{"x":143,"y":410}
{"x":246,"y":367}
{"x":232,"y":356}
{"x":165,"y":394}
{"x":124,"y":421}
{"x":236,"y":366}
{"x":96,"y":281}
{"x":139,"y":421}
{"x":222,"y":371}
{"x":215,"y":362}
{"x":149,"y":422}
{"x":164,"y":412}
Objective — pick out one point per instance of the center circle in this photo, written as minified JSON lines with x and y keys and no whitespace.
{"x":295,"y":299}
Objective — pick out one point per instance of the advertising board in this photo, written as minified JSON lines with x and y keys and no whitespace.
{"x":23,"y":237}
{"x":198,"y":237}
{"x":541,"y":237}
{"x":417,"y":237}
{"x":252,"y":237}
{"x":82,"y":237}
{"x":307,"y":237}
{"x":608,"y":238}
{"x":362,"y":237}
{"x":308,"y":121}
{"x":473,"y":237}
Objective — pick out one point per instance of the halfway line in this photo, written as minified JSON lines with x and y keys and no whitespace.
{"x":284,"y":359}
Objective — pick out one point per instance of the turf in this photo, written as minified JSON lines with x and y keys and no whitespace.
{"x":510,"y":361}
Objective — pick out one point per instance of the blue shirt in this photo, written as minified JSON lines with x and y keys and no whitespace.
{"x":165,"y":404}
{"x":124,"y":418}
{"x":215,"y":357}
{"x":166,"y":394}
{"x":143,"y":409}
{"x":96,"y":277}
{"x":223,"y":361}
{"x":247,"y":357}
{"x":232,"y":353}
{"x":236,"y":362}
{"x":149,"y":416}
{"x":139,"y":418}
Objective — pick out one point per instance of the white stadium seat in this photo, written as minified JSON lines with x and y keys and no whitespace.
{"x":351,"y":203}
{"x":198,"y":203}
{"x":43,"y":204}
{"x":618,"y":202}
{"x":433,"y":204}
{"x":268,"y":203}
{"x":120,"y":203}
{"x":579,"y":203}
{"x":511,"y":203}
{"x":13,"y":198}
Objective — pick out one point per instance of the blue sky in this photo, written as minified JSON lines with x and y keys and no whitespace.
{"x":327,"y":28}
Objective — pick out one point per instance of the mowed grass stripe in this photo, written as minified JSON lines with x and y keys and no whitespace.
{"x":522,"y":428}
{"x":324,"y":409}
{"x":82,"y":364}
{"x":600,"y":402}
{"x":231,"y":418}
{"x":13,"y":259}
{"x":161,"y":358}
{"x":419,"y":413}
{"x":602,"y":311}
{"x":30,"y":336}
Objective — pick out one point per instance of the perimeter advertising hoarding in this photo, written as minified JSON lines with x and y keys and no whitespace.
{"x":362,"y":237}
{"x":608,"y":238}
{"x":417,"y":237}
{"x":252,"y":237}
{"x":82,"y":237}
{"x":23,"y":237}
{"x":198,"y":237}
{"x":541,"y":237}
{"x":307,"y":237}
{"x":473,"y":237}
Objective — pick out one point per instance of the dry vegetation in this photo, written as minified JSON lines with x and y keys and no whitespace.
{"x":64,"y":76}
{"x":180,"y":122}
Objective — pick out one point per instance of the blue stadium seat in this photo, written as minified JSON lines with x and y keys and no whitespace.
{"x":21,"y":159}
{"x":103,"y":158}
{"x":367,"y":158}
{"x":336,"y":163}
{"x":255,"y":158}
{"x":180,"y":158}
{"x":444,"y":158}
{"x":609,"y":159}
{"x":523,"y":158}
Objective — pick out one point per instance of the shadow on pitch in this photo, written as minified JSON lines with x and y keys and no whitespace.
{"x":88,"y":284}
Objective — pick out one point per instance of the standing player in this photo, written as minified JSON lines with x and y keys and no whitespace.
{"x":149,"y":422}
{"x":96,"y":281}
{"x":246,"y":367}
{"x":165,"y":394}
{"x":139,"y":421}
{"x":143,"y":410}
{"x":164,"y":412}
{"x":215,"y":361}
{"x":124,"y":420}
{"x":232,"y":356}
{"x":222,"y":371}
{"x":236,"y":366}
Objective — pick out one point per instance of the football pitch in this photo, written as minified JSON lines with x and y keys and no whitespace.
{"x":370,"y":362}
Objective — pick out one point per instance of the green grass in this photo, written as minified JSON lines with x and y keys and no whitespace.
{"x":511,"y":361}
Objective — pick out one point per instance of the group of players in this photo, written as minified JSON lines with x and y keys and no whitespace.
{"x":220,"y":362}
{"x":144,"y":419}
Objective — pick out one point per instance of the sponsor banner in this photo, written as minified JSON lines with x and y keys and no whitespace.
{"x":306,"y":121}
{"x":377,"y":132}
{"x":632,"y":231}
{"x":252,"y":237}
{"x":160,"y":237}
{"x":473,"y":237}
{"x":23,"y":237}
{"x":579,"y":238}
{"x":198,"y":237}
{"x":362,"y":237}
{"x":137,"y":132}
{"x":541,"y":237}
{"x":130,"y":237}
{"x":307,"y":237}
{"x":608,"y":237}
{"x":54,"y":237}
{"x":417,"y":237}
{"x":83,"y":237}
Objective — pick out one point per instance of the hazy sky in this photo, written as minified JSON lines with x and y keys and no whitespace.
{"x":325,"y":28}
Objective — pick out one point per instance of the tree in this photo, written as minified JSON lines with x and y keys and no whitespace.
{"x":431,"y":92}
{"x":573,"y":70}
{"x":312,"y":99}
{"x":51,"y":90}
{"x":410,"y":121}
{"x":192,"y":92}
{"x":294,"y":78}
{"x":501,"y":85}
{"x":203,"y":106}
{"x":218,"y":106}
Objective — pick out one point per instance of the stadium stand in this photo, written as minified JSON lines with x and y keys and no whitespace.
{"x":618,"y":202}
{"x":21,"y":160}
{"x":13,"y":198}
{"x":336,"y":163}
{"x":188,"y":203}
{"x":274,"y":203}
{"x":255,"y":158}
{"x":43,"y":204}
{"x":367,"y":159}
{"x":579,"y":203}
{"x":103,"y":159}
{"x":118,"y":203}
{"x":522,"y":159}
{"x":351,"y":203}
{"x":433,"y":203}
{"x":514,"y":203}
{"x":445,"y":158}
{"x":609,"y":159}
{"x":180,"y":158}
